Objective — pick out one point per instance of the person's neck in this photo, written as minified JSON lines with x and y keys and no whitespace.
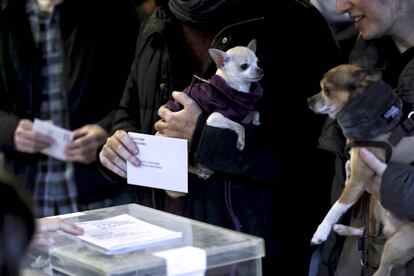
{"x":198,"y":41}
{"x":403,"y":33}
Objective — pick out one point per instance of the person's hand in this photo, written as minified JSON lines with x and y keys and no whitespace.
{"x":28,"y":141}
{"x":377,"y":166}
{"x":118,"y":149}
{"x":180,"y":124}
{"x":86,"y":141}
{"x":47,"y":225}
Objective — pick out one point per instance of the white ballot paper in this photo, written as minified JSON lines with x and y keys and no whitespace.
{"x":123,"y":233}
{"x":60,"y":135}
{"x":164,"y":163}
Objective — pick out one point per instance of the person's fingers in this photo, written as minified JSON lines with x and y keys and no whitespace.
{"x":54,"y":224}
{"x":86,"y":157}
{"x":123,"y":145}
{"x":80,"y":142}
{"x":32,"y":142}
{"x":25,"y":124}
{"x":43,"y":239}
{"x":182,"y":98}
{"x":80,"y":132}
{"x":29,"y":134}
{"x":164,"y":113}
{"x":118,"y":169}
{"x":159,"y":126}
{"x":70,"y":227}
{"x":372,"y":161}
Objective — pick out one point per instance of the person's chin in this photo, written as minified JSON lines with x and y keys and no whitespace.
{"x":368,"y":33}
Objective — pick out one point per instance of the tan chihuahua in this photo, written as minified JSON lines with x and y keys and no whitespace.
{"x":368,"y":112}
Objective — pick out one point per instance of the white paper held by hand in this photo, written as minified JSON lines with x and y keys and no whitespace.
{"x":60,"y":135}
{"x":164,"y":163}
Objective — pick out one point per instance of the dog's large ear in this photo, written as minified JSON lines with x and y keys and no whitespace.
{"x":220,"y":57}
{"x":368,"y":77}
{"x":372,"y":75}
{"x":252,"y":45}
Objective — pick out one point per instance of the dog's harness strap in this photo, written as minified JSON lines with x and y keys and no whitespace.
{"x":375,"y":144}
{"x":404,"y":129}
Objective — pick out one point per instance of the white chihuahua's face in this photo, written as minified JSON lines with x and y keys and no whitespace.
{"x":241,"y":64}
{"x":238,"y":66}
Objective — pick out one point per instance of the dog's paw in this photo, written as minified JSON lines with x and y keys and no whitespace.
{"x":201,"y":171}
{"x":344,"y":230}
{"x":205,"y":173}
{"x":240,"y":137}
{"x":256,"y":118}
{"x":240,"y":144}
{"x":321,"y":234}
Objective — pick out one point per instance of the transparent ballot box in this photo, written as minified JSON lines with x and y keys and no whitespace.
{"x":227,"y":252}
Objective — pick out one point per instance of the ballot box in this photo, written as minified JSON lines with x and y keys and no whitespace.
{"x":201,"y":249}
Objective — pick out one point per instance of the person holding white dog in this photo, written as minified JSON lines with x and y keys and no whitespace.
{"x":249,"y":190}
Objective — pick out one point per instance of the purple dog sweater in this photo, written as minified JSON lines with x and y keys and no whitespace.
{"x":217,"y":96}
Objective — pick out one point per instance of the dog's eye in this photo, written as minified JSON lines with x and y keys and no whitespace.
{"x":244,"y":66}
{"x":327,"y":90}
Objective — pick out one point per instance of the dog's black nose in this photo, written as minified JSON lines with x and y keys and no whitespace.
{"x":311,"y":102}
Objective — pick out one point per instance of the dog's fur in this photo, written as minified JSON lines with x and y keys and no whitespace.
{"x":338,"y":86}
{"x":238,"y":68}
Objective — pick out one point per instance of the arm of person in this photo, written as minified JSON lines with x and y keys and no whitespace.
{"x":216,"y":147}
{"x":395,"y":182}
{"x":86,"y":141}
{"x":119,"y":147}
{"x":44,"y":226}
{"x":55,"y":224}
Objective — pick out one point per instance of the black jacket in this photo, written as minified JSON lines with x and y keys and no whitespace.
{"x":98,"y":41}
{"x":294,"y":58}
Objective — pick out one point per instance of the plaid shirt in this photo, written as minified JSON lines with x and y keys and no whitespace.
{"x":55,"y":190}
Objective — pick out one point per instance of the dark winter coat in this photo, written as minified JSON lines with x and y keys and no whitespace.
{"x":98,"y":42}
{"x":252,"y":178}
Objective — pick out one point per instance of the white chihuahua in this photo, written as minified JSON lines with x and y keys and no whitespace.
{"x":230,"y":95}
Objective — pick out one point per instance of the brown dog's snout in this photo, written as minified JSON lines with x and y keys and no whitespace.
{"x":311,"y":101}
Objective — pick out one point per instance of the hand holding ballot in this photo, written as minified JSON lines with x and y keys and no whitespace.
{"x":118,"y":149}
{"x":60,"y":138}
{"x":86,"y":141}
{"x":27,"y":140}
{"x":147,"y":160}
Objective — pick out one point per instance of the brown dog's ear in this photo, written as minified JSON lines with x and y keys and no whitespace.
{"x":220,"y":57}
{"x":252,"y":45}
{"x":367,"y":77}
{"x":372,"y":75}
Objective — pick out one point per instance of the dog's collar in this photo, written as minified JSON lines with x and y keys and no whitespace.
{"x":376,"y":111}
